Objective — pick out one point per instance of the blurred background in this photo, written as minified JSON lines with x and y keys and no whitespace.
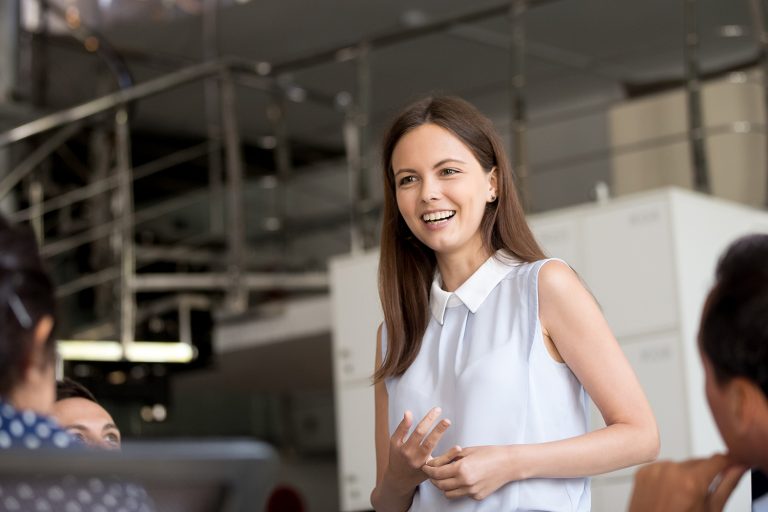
{"x":191,"y":167}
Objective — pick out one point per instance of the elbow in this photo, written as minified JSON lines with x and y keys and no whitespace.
{"x":651,"y":445}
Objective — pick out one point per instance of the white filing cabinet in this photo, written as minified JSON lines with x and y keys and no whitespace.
{"x":648,"y":258}
{"x":356,"y":312}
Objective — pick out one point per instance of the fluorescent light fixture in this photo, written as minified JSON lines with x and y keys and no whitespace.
{"x":90,"y":350}
{"x":157,"y":352}
{"x":136,"y":352}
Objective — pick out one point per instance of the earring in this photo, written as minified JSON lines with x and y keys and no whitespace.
{"x":493,"y":198}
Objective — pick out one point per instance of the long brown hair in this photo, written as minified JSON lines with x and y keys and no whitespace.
{"x":407,"y":266}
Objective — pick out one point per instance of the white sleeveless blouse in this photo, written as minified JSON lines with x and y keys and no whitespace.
{"x":484,"y":362}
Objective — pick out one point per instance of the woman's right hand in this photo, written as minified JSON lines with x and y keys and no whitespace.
{"x":407,"y":454}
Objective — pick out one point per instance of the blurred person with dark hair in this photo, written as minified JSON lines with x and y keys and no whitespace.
{"x":77,"y":410}
{"x":28,"y":389}
{"x":27,"y":347}
{"x":733,"y":344}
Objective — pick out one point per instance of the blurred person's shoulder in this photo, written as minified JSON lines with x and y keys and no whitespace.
{"x":26,"y":429}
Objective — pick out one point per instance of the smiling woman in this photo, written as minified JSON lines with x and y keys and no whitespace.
{"x":443,"y":202}
{"x":482,"y":329}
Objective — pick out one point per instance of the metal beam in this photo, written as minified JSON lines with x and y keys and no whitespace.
{"x":399,"y":36}
{"x":87,"y":281}
{"x":124,"y":228}
{"x":211,"y":51}
{"x":110,"y":182}
{"x":221,"y":281}
{"x":36,"y":157}
{"x":540,"y":51}
{"x":237,"y":300}
{"x":351,"y":134}
{"x":284,"y":164}
{"x":757,"y":9}
{"x":518,"y":113}
{"x":9,"y":55}
{"x":693,"y":95}
{"x":110,"y":101}
{"x":96,"y":232}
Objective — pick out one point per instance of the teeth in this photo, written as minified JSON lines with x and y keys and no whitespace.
{"x":431,"y":217}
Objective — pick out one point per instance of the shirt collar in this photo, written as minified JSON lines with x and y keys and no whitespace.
{"x":473,"y":292}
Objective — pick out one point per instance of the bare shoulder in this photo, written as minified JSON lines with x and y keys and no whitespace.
{"x":556,"y":278}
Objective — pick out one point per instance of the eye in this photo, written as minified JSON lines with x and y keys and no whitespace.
{"x":449,"y":171}
{"x":406,"y":180}
{"x":78,"y":435}
{"x":112,"y":439}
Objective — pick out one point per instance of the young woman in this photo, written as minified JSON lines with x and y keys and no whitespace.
{"x":488,"y":349}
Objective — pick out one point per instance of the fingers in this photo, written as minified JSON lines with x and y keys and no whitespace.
{"x":402,"y":429}
{"x":424,"y":426}
{"x":439,"y":473}
{"x":445,"y":468}
{"x":729,"y":481}
{"x":705,"y":470}
{"x":447,"y":485}
{"x":445,"y":458}
{"x":434,"y":437}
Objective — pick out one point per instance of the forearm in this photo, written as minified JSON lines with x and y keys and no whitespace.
{"x":608,"y":449}
{"x":387,"y":497}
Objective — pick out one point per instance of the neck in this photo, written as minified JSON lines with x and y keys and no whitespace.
{"x":761,"y":440}
{"x":456,"y":268}
{"x":24,"y":397}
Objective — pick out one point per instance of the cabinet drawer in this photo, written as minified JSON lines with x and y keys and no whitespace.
{"x":356,"y":316}
{"x":559,"y":239}
{"x":355,"y":446}
{"x":657,"y":363}
{"x":611,"y":494}
{"x":629,"y":267}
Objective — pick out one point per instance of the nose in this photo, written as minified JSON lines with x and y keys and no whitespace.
{"x":430,"y":190}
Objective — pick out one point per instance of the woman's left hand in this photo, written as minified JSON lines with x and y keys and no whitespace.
{"x":475,"y":472}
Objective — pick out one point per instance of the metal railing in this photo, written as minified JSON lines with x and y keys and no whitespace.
{"x":234,"y":280}
{"x":355,"y":116}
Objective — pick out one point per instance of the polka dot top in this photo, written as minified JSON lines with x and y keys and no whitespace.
{"x":27,"y":429}
{"x":31,"y":431}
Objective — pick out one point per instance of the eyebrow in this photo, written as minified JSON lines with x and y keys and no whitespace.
{"x":108,"y":426}
{"x":438,"y":164}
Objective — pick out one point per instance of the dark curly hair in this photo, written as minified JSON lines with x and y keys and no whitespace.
{"x":734,"y":323}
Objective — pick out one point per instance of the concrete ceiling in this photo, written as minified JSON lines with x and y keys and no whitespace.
{"x":577,"y":49}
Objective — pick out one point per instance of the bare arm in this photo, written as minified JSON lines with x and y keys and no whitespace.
{"x":399,"y":458}
{"x":574,"y":323}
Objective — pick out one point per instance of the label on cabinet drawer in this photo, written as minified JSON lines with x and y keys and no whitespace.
{"x":645,"y":216}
